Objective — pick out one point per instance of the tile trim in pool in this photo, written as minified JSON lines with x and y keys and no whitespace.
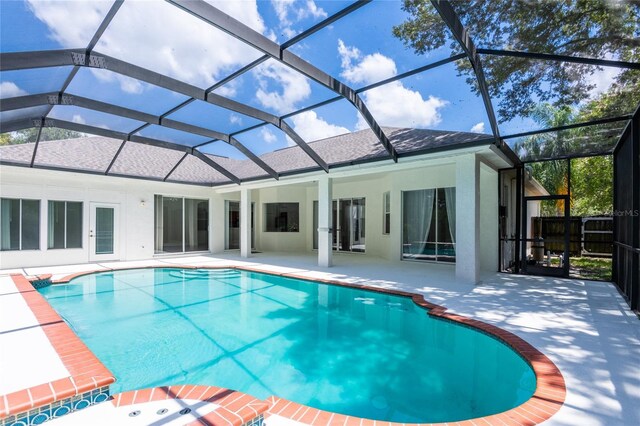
{"x":86,"y":371}
{"x":236,"y":408}
{"x":57,"y":409}
{"x":547,"y":399}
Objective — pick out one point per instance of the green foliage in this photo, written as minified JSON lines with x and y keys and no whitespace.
{"x":29,"y":135}
{"x":591,"y":177}
{"x":592,"y":186}
{"x":588,"y":28}
{"x":5,"y":139}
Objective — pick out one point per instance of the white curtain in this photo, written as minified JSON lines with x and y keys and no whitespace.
{"x":419,"y":208}
{"x":450,"y":203}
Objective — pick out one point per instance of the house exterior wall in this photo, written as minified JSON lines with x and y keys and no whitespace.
{"x":136,"y":225}
{"x":136,"y":221}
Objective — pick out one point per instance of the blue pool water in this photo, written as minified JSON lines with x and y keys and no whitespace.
{"x":345,"y":350}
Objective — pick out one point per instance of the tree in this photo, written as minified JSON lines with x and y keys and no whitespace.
{"x":591,"y":177}
{"x":589,"y":28}
{"x":29,"y":135}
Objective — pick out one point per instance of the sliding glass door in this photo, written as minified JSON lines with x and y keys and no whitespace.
{"x":348,"y":224}
{"x":181,"y":224}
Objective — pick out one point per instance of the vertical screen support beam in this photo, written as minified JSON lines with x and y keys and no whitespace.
{"x":634,"y":297}
{"x":518,"y":218}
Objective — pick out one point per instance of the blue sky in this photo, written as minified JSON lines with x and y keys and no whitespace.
{"x":359,"y":50}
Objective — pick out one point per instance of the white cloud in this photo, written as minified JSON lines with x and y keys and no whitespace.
{"x":395,"y":105}
{"x":156,"y":36}
{"x":289,"y":10}
{"x":392,"y":104}
{"x":9,"y":89}
{"x":602,"y":80}
{"x":87,"y":16}
{"x":235,"y":119}
{"x":478,"y":128}
{"x":293,"y":86}
{"x":311,"y":127}
{"x":311,"y":9}
{"x":268,"y":135}
{"x":77,"y":118}
{"x":371,"y":69}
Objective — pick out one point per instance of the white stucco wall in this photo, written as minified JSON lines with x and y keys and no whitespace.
{"x":136,"y":222}
{"x":488,"y":219}
{"x":136,"y":226}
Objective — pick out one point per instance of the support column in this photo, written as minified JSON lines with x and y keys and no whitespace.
{"x":325,"y":233}
{"x":468,"y":218}
{"x":245,"y":222}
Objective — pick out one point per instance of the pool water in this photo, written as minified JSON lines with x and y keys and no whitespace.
{"x":339,"y":349}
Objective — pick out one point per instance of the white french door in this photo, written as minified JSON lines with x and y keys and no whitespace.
{"x":103,"y":232}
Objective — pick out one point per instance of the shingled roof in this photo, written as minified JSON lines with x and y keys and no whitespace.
{"x":94,"y":154}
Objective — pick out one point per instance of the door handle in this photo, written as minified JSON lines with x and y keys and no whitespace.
{"x":91,"y":234}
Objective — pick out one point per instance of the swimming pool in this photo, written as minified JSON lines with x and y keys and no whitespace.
{"x":339,"y":349}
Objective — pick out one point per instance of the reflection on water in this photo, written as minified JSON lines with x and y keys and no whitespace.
{"x":338,"y":349}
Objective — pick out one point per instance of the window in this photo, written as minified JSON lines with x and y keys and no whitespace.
{"x":65,"y":225}
{"x":282,"y":217}
{"x":181,"y":224}
{"x":386,"y":213}
{"x":429,"y":224}
{"x":19,"y":224}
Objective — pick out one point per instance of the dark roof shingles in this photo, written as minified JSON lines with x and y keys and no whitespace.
{"x":95,"y":153}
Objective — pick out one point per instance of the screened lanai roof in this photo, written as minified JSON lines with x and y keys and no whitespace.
{"x":223,"y":92}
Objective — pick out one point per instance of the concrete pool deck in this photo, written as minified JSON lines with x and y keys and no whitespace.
{"x":584,"y":327}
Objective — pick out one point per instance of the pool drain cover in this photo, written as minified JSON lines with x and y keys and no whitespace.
{"x":185,"y":411}
{"x":134,"y":413}
{"x":161,"y":411}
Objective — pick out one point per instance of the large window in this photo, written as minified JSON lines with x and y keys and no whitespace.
{"x":181,"y":224}
{"x":19,"y":224}
{"x":429,"y":225}
{"x":282,"y":217}
{"x":65,"y":225}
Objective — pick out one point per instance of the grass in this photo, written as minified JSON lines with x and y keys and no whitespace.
{"x":589,"y":268}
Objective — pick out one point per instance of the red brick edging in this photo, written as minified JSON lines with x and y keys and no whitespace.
{"x":86,"y":371}
{"x":547,"y":399}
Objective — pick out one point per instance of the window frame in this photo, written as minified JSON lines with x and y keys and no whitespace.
{"x":20,"y":227}
{"x":66,"y":224}
{"x":435,"y":230}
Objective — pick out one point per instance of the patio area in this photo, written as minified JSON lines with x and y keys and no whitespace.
{"x":584,"y":327}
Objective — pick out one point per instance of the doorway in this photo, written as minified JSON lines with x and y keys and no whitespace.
{"x":232,"y":229}
{"x":103,"y":232}
{"x":349,"y":216}
{"x":546,"y":229}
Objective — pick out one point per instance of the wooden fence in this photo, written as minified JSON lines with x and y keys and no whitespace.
{"x":587,"y":236}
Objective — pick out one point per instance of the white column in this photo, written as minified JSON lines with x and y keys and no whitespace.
{"x":245,"y":222}
{"x":468,"y":218}
{"x":325,"y":253}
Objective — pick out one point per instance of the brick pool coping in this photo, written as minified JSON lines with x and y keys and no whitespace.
{"x":86,"y":372}
{"x":236,"y":408}
{"x":547,"y":399}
